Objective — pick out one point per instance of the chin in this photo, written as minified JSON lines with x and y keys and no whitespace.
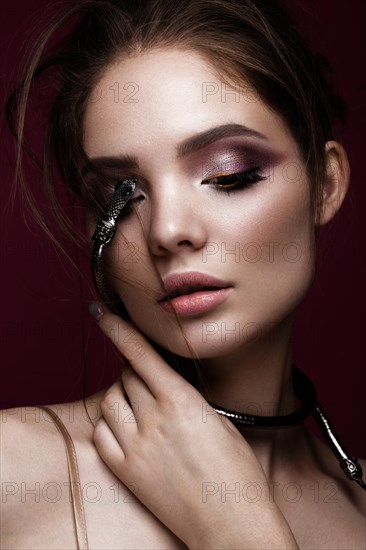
{"x":202,"y":340}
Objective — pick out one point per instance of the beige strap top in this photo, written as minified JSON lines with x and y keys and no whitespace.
{"x":77,"y":500}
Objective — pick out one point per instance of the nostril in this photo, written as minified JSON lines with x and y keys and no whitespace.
{"x":185,"y":243}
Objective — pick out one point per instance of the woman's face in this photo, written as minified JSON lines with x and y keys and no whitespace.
{"x":257,"y":238}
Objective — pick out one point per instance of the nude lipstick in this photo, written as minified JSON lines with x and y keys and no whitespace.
{"x":192,"y":293}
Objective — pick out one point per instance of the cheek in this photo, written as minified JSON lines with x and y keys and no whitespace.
{"x":275,"y":245}
{"x":129,"y":268}
{"x":281,"y":229}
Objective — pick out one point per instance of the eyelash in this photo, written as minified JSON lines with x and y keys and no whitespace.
{"x":234,"y":182}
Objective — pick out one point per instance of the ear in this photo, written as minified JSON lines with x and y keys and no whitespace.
{"x":336,"y":182}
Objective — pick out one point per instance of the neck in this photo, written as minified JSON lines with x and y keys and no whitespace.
{"x":256,"y":380}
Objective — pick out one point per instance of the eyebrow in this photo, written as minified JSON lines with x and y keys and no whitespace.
{"x":205,"y":138}
{"x":185,"y":148}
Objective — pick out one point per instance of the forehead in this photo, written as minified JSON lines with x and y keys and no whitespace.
{"x":162,"y":96}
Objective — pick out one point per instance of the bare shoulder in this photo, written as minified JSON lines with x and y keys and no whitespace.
{"x":347,"y":490}
{"x":36,"y":487}
{"x":30,"y":431}
{"x":23,"y":430}
{"x":34,"y":465}
{"x":359,"y":494}
{"x":331,"y":503}
{"x":348,"y":494}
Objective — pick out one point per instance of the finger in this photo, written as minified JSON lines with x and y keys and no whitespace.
{"x":118,"y":414}
{"x":137,"y":393}
{"x":112,"y":454}
{"x":158,"y":376}
{"x":107,"y":445}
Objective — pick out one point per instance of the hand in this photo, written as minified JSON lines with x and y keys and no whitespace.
{"x":172,"y":447}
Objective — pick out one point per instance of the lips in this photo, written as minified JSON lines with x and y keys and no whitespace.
{"x":182,"y":284}
{"x":186,"y":289}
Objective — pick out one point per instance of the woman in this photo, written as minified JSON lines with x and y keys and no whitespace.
{"x":197,"y":111}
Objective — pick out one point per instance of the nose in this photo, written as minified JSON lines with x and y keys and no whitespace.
{"x":177,"y":221}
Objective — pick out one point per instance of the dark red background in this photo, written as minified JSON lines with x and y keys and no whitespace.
{"x":52,"y":351}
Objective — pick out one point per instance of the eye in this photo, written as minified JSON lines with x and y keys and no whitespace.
{"x":136,"y":197}
{"x":100,"y":192}
{"x":129,"y":206}
{"x":239,"y":180}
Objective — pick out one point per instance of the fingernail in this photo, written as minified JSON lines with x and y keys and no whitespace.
{"x":95,"y":310}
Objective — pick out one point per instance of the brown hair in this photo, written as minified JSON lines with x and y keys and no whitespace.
{"x":248,"y":41}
